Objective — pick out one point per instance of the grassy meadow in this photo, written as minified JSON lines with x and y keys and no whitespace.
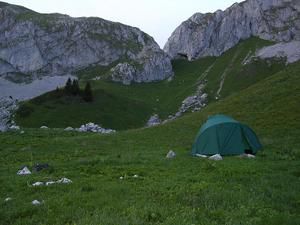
{"x":123,"y":107}
{"x":183,"y":190}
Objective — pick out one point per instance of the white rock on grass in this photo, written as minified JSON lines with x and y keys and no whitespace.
{"x":50,"y":183}
{"x":8,"y":199}
{"x":24,"y":171}
{"x":64,"y":181}
{"x":14,"y":127}
{"x":95,"y":128}
{"x":171,"y":154}
{"x":249,"y":156}
{"x":36,"y":202}
{"x":216,"y":157}
{"x":38,"y":183}
{"x":154,"y":120}
{"x":44,"y":127}
{"x":201,"y":156}
{"x":69,"y":129}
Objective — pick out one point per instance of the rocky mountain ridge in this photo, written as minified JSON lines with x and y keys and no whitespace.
{"x":212,"y":34}
{"x":34,"y":45}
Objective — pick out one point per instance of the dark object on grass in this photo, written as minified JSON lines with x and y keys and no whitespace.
{"x":38,"y":167}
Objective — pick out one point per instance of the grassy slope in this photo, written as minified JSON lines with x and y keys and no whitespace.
{"x":185,"y":190}
{"x":139,"y":101}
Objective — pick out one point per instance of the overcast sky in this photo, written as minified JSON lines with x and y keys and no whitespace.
{"x":158,"y":18}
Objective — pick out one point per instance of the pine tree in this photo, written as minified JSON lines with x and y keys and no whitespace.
{"x":68,"y":86}
{"x":87,"y":93}
{"x":75,"y":87}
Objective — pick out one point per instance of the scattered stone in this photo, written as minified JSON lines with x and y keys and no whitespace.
{"x":14,"y":127}
{"x":91,"y":127}
{"x":24,"y":171}
{"x":250,"y":156}
{"x":38,"y":183}
{"x":22,"y":132}
{"x":50,"y":183}
{"x":60,"y":181}
{"x":201,"y":156}
{"x":8,"y":199}
{"x":64,"y":181}
{"x":121,"y":178}
{"x":97,"y":78}
{"x":216,"y":157}
{"x":44,"y":127}
{"x":171,"y":155}
{"x":36,"y":202}
{"x":135,"y":176}
{"x":153,"y":121}
{"x":69,"y":129}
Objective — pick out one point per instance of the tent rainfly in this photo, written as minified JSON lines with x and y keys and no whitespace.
{"x":223,"y":135}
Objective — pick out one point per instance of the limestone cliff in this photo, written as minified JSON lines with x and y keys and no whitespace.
{"x":34,"y":45}
{"x":212,"y":34}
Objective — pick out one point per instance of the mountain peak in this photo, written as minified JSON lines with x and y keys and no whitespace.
{"x":212,"y":34}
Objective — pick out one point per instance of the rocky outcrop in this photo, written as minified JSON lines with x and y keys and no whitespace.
{"x":212,"y":34}
{"x":154,"y":120}
{"x":7,"y":107}
{"x":33,"y":45}
{"x":95,"y":128}
{"x":287,"y":51}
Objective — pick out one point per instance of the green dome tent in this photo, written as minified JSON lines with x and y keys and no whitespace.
{"x":223,"y":135}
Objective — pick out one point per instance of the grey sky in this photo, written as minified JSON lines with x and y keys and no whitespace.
{"x":158,"y":18}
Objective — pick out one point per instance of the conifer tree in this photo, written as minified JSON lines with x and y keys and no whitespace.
{"x":68,"y":86}
{"x":87,"y":93}
{"x":75,"y":87}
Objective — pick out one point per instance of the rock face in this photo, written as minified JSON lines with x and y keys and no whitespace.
{"x":212,"y":34}
{"x":7,"y":107}
{"x":34,"y":45}
{"x":290,"y":51}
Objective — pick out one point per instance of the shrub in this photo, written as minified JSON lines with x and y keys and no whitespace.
{"x":25,"y":110}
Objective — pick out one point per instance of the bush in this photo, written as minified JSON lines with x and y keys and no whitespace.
{"x":25,"y":110}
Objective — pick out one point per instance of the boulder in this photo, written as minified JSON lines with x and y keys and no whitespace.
{"x":154,"y":120}
{"x":216,"y":157}
{"x":91,"y":127}
{"x":69,"y":129}
{"x":171,"y":154}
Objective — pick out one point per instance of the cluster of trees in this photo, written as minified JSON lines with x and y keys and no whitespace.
{"x":72,"y":89}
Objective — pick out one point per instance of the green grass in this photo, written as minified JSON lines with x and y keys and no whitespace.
{"x":184,"y":190}
{"x":117,"y":106}
{"x":163,"y":98}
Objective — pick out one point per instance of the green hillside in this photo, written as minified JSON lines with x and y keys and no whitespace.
{"x":125,"y":107}
{"x":184,"y":190}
